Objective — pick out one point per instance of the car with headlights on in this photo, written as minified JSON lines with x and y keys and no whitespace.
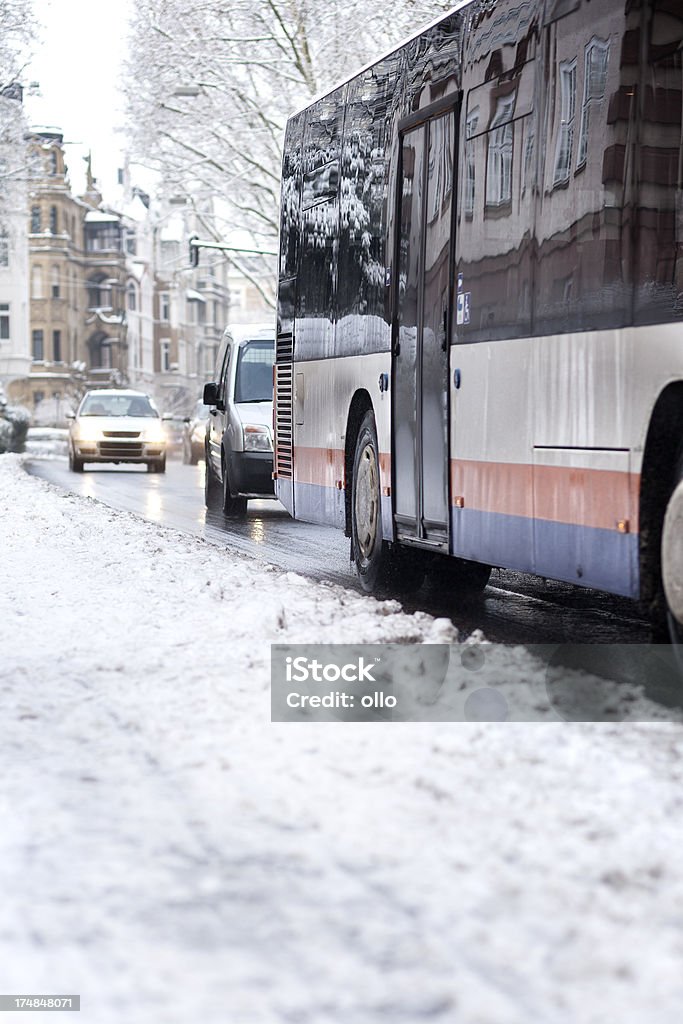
{"x":116,"y":425}
{"x":239,"y":438}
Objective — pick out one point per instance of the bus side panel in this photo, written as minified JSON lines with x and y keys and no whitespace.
{"x":324,"y":392}
{"x":556,"y":495}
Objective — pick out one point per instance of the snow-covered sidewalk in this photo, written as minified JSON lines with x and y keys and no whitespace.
{"x":173,"y":856}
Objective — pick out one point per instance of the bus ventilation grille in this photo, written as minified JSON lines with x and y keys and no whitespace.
{"x":284,"y":439}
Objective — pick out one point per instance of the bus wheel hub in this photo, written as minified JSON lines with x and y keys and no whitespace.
{"x":366,"y":501}
{"x":672,"y":554}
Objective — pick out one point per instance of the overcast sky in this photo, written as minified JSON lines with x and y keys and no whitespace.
{"x":78,"y":65}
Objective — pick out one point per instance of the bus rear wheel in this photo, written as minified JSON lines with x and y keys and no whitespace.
{"x":672,"y":566}
{"x":379,"y":565}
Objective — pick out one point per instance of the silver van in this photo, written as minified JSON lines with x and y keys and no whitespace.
{"x":239,"y":432}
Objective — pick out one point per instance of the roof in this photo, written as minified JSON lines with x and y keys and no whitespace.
{"x":251,"y":332}
{"x":100,"y":217}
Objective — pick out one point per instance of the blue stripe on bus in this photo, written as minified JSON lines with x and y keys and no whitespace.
{"x":317,"y":503}
{"x":285,"y":491}
{"x":608,"y":560}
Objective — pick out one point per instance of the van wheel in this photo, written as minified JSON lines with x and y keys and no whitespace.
{"x":232,"y":507}
{"x":212,"y":488}
{"x":379,"y":565}
{"x":75,"y":464}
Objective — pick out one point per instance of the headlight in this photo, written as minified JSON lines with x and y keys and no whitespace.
{"x":87,"y":433}
{"x":154,"y":433}
{"x":257,"y":438}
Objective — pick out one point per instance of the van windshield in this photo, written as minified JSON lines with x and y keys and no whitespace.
{"x":254,"y":376}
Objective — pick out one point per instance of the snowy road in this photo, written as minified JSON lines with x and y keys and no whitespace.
{"x":516,"y":608}
{"x":174,"y":857}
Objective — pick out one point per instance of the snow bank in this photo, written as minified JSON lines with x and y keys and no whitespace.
{"x":172,"y":856}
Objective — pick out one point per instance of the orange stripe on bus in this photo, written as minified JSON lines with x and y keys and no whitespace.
{"x":325,"y":466}
{"x":561,"y":494}
{"x":587,"y":497}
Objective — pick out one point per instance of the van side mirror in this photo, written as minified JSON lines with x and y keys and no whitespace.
{"x":210,"y":396}
{"x":70,"y":415}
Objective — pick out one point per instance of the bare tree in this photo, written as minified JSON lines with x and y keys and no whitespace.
{"x":210,"y":84}
{"x":17,"y":29}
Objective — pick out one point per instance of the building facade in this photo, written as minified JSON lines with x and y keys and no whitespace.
{"x":15,"y":355}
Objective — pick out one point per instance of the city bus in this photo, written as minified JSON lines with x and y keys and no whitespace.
{"x":479,"y":356}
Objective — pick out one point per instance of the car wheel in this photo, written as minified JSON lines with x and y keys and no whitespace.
{"x":378,"y":564}
{"x":161,"y":466}
{"x":212,"y":488}
{"x":75,"y":464}
{"x":232,"y":507}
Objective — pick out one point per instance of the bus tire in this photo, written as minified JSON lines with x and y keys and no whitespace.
{"x":672,"y":564}
{"x":379,"y":565}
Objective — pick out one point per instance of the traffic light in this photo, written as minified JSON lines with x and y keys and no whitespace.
{"x":194,"y":251}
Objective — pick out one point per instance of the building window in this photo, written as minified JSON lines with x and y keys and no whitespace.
{"x":37,"y":282}
{"x":131,"y":247}
{"x":165,"y":351}
{"x":164,"y":307}
{"x":55,"y":282}
{"x":38,"y":397}
{"x":57,"y":346}
{"x":100,"y":352}
{"x":4,"y":249}
{"x":53,"y":220}
{"x":132,"y":298}
{"x":565,"y":139}
{"x":4,"y":321}
{"x":102,"y":239}
{"x":499,"y":159}
{"x":53,"y":162}
{"x":594,"y":85}
{"x":35,"y":220}
{"x":99,"y":293}
{"x":37,"y":348}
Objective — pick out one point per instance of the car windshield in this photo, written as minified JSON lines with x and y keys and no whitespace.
{"x":117,"y":405}
{"x":254,"y":377}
